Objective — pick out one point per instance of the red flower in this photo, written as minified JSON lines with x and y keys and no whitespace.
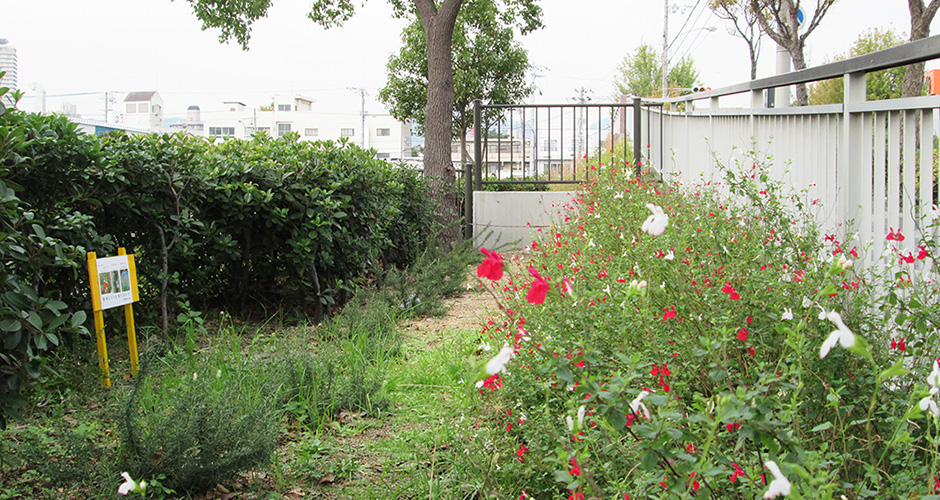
{"x":751,"y":351}
{"x":730,"y":291}
{"x":689,"y":447}
{"x":936,"y":484}
{"x":901,"y":345}
{"x":492,"y":266}
{"x":575,"y":470}
{"x":732,"y":426}
{"x":923,"y":253}
{"x":576,"y":496}
{"x":742,"y":334}
{"x":669,"y":314}
{"x":737,"y":472}
{"x":655,"y":371}
{"x":892,"y":236}
{"x":493,"y":382}
{"x":538,"y":289}
{"x":522,"y":449}
{"x":665,"y":371}
{"x":695,"y":485}
{"x":908,"y":259}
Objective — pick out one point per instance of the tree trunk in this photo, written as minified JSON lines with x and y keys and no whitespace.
{"x":438,"y":27}
{"x":921,"y":16}
{"x":799,"y":62}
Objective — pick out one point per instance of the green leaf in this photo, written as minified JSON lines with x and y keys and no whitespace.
{"x":12,"y":339}
{"x":617,"y":419}
{"x":822,"y":427}
{"x":563,"y":373}
{"x":10,"y":325}
{"x":897,"y":370}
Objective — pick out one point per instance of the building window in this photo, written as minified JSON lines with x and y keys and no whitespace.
{"x":142,"y":107}
{"x":282,"y":128}
{"x":347,"y":132}
{"x":311,"y":132}
{"x":222,"y":131}
{"x":549,"y":145}
{"x":383,"y":156}
{"x":264,"y":129}
{"x":383,"y":132}
{"x":283,"y":107}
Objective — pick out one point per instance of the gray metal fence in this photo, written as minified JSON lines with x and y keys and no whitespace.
{"x":547,"y":144}
{"x":870,"y":165}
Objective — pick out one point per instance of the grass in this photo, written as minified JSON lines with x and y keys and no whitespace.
{"x":363,"y":410}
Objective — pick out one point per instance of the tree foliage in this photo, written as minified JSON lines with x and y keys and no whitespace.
{"x":884,"y":84}
{"x":489,"y":64}
{"x":640,"y":74}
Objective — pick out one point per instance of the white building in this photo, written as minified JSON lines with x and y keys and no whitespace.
{"x":143,"y":110}
{"x":295,"y":113}
{"x":8,"y":65}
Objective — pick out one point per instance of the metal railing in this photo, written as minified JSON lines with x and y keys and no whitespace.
{"x":869,"y":164}
{"x":526,"y":144}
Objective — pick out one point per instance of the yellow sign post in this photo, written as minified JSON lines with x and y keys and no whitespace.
{"x":113,"y":283}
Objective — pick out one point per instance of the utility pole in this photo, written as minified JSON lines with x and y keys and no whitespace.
{"x":665,"y":65}
{"x":582,"y":98}
{"x":106,"y":100}
{"x":362,"y":114}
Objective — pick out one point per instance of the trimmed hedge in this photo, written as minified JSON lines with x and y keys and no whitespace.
{"x":242,"y":225}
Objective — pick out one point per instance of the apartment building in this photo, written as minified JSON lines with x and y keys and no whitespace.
{"x":390,"y":138}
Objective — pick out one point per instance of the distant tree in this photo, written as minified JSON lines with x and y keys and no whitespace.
{"x":641,"y":74}
{"x":744,"y":24}
{"x":489,"y":64}
{"x":438,"y":18}
{"x":921,"y":17}
{"x":884,"y":84}
{"x":778,"y":20}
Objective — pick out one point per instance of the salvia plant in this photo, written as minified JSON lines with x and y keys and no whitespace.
{"x":706,"y":341}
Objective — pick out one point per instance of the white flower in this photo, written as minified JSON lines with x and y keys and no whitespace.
{"x":844,"y":263}
{"x":194,"y":376}
{"x":637,"y":404}
{"x":485,"y":346}
{"x":933,"y":380}
{"x":787,"y":314}
{"x":129,"y":485}
{"x":780,"y":485}
{"x":218,"y":373}
{"x":498,"y":363}
{"x":581,"y":416}
{"x":928,"y":404}
{"x":570,"y":422}
{"x":638,"y":285}
{"x":670,"y":255}
{"x":842,"y":335}
{"x":591,"y":243}
{"x":807,"y":303}
{"x":655,"y":224}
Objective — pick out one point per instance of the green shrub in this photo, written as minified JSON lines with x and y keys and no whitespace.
{"x":198,"y":424}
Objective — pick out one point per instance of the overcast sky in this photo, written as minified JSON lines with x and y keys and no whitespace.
{"x":92,"y":46}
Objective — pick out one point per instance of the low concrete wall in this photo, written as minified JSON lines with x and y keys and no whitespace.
{"x":514,"y":216}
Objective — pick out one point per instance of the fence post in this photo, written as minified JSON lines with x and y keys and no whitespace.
{"x":850,"y":156}
{"x":637,"y":136}
{"x":473,"y":175}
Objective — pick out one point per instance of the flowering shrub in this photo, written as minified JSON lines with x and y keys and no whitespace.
{"x":719,"y":347}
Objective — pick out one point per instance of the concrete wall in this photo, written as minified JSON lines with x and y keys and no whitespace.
{"x":514,"y":216}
